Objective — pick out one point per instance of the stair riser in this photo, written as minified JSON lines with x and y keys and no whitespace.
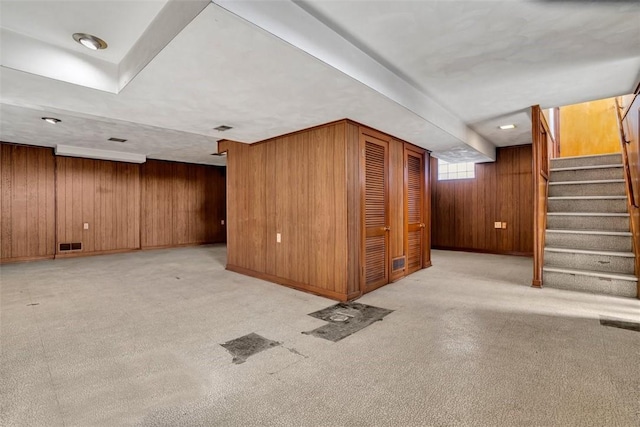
{"x":613,"y":159}
{"x":597,"y":223}
{"x":587,"y":174}
{"x":604,"y":189}
{"x":585,"y":241}
{"x":608,"y":263}
{"x":592,"y":205}
{"x":574,"y":282}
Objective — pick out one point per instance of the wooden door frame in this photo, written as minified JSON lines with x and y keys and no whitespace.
{"x":366,"y":133}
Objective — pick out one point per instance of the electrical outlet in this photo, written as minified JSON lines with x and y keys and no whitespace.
{"x":497,"y":225}
{"x":278,"y":238}
{"x":504,"y":225}
{"x":85,"y":226}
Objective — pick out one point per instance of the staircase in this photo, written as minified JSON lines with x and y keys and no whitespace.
{"x":588,"y":246}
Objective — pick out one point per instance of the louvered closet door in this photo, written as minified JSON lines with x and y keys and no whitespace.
{"x":376,"y":214}
{"x":414,"y":190}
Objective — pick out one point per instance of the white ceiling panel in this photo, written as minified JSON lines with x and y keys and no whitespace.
{"x":485,"y":62}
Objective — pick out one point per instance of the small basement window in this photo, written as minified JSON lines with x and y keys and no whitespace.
{"x":455,"y":170}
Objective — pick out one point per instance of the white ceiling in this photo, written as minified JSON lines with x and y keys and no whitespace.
{"x":121,"y":23}
{"x":482,"y":63}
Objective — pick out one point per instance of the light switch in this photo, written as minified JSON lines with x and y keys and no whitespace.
{"x":86,"y":226}
{"x":497,"y":225}
{"x":278,"y":238}
{"x":504,"y":225}
{"x":222,"y":222}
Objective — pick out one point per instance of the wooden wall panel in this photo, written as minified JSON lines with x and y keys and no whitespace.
{"x":589,"y":128}
{"x":182,"y":204}
{"x":396,"y":203}
{"x":306,"y":186}
{"x":104,"y":194}
{"x":170,"y":204}
{"x":27,"y":180}
{"x":354,"y":214}
{"x":464,"y":211}
{"x":274,"y":188}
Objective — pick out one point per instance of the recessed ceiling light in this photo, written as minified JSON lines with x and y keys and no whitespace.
{"x":89,"y":41}
{"x":117,"y":139}
{"x":51,"y":120}
{"x":507,"y":127}
{"x":222,"y":128}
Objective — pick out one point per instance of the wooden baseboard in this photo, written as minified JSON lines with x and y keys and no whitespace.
{"x":483,"y":251}
{"x":25,"y":259}
{"x":181,"y":245}
{"x":78,"y":254}
{"x":94,"y":253}
{"x":354,"y":295}
{"x":289,"y":283}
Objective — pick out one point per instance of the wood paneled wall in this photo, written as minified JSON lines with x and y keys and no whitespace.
{"x":589,"y":128}
{"x":464,"y":211}
{"x":307,"y":187}
{"x":27,"y":187}
{"x":182,"y":204}
{"x":274,"y":188}
{"x":103,"y":194}
{"x":126,"y":206}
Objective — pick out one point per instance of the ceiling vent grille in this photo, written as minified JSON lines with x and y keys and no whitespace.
{"x":223,"y":128}
{"x":117,"y":139}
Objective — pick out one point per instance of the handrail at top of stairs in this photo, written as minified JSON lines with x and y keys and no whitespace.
{"x":624,"y":142}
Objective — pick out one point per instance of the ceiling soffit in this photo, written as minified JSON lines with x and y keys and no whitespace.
{"x":24,"y":48}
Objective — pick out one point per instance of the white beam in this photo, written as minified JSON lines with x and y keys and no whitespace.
{"x":289,"y":22}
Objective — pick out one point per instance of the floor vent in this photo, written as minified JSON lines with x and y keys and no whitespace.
{"x":398,"y":264}
{"x":66,"y":247}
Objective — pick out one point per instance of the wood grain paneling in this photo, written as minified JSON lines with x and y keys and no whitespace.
{"x":160,"y":204}
{"x":182,"y":204}
{"x":464,"y":211}
{"x":106,"y":196}
{"x":27,"y":182}
{"x":396,"y":204}
{"x":309,"y":187}
{"x":294,"y":186}
{"x":589,"y":128}
{"x":354,"y":211}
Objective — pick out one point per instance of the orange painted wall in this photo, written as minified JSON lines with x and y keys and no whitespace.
{"x":589,"y":128}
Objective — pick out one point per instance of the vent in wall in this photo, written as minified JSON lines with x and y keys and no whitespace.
{"x":117,"y":139}
{"x":66,"y":247}
{"x":398,"y":264}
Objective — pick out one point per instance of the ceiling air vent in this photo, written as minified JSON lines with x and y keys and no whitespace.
{"x":117,"y":139}
{"x":222,"y":128}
